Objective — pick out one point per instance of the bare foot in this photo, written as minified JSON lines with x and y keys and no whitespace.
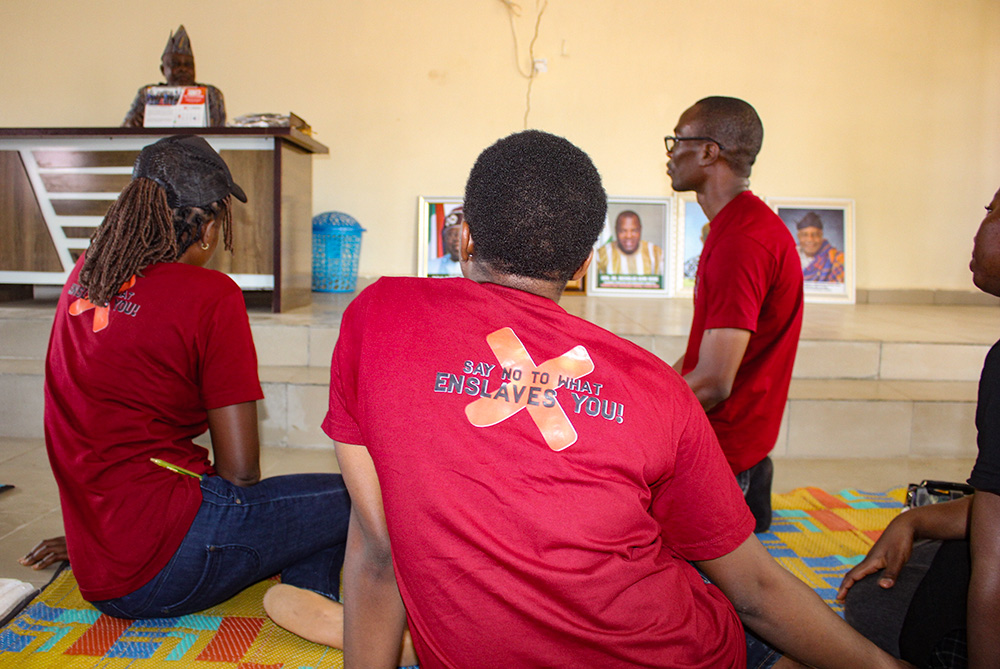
{"x":307,"y":614}
{"x":317,"y":618}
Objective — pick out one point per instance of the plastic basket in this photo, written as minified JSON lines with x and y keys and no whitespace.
{"x":336,"y":251}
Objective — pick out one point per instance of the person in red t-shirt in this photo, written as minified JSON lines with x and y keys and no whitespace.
{"x":148,"y":350}
{"x":747,"y":294}
{"x":537,"y":491}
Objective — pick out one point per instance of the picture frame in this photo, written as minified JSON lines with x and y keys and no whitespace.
{"x":823,"y":230}
{"x":691,"y":230}
{"x":647,"y":269}
{"x":578,"y":287}
{"x":437,"y":249}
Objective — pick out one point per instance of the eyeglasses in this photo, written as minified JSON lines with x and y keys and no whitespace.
{"x":671,"y":142}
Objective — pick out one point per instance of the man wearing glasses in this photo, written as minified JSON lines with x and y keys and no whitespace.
{"x":747,"y":295}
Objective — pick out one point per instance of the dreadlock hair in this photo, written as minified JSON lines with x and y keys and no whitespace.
{"x":189,"y":222}
{"x":141,"y":229}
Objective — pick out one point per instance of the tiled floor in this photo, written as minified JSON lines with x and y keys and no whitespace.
{"x":30,"y":512}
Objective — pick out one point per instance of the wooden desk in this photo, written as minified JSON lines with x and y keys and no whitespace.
{"x":56,"y":184}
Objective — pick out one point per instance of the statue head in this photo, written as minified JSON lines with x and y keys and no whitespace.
{"x":177,"y":62}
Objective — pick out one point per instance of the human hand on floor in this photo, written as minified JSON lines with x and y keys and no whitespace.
{"x":890,"y":553}
{"x":47,"y":552}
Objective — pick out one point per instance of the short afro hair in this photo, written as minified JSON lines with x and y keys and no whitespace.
{"x":535,"y":205}
{"x":735,"y":124}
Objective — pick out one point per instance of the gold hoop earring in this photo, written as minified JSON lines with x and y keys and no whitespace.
{"x":204,"y":246}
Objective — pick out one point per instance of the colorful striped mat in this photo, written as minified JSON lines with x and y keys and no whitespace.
{"x":819,"y":536}
{"x":816,"y":535}
{"x":60,"y":629}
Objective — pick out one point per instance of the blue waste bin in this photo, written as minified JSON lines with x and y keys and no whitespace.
{"x":336,"y":251}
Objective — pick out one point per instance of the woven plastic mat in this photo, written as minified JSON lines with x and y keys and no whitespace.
{"x":816,"y":535}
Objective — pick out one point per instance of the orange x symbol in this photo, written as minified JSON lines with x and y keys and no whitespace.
{"x":521,"y":378}
{"x":81,"y":305}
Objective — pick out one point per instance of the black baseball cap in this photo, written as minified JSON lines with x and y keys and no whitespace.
{"x":188,"y":169}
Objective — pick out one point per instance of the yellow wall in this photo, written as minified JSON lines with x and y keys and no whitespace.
{"x":894,"y":103}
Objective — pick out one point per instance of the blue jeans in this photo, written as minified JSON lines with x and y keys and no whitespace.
{"x":294,"y":525}
{"x":759,"y":654}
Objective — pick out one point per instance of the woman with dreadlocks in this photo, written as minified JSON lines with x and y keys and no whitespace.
{"x":148,"y":350}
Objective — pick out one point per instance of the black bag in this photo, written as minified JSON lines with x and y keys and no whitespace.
{"x":932,"y":492}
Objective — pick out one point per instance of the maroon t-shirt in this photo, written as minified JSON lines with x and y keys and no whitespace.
{"x":176,"y":344}
{"x":750,"y":277}
{"x":545,"y":482}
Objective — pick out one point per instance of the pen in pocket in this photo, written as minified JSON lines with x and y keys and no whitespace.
{"x":174,"y":468}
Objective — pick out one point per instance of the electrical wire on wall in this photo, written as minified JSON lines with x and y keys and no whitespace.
{"x":514,"y":11}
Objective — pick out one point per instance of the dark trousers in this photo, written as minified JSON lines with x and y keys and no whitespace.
{"x":922,"y":618}
{"x":756,"y":486}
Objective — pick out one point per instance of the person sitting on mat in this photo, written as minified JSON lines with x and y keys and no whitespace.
{"x":536,"y":490}
{"x":148,"y":350}
{"x":937,"y":603}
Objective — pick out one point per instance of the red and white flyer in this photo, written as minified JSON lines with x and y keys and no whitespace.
{"x":176,"y":107}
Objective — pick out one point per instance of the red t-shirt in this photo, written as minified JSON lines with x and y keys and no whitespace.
{"x":177,"y":343}
{"x":750,"y":278}
{"x":547,"y":520}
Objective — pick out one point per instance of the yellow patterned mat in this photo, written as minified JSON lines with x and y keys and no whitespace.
{"x":816,"y":535}
{"x":819,"y":536}
{"x":60,"y":629}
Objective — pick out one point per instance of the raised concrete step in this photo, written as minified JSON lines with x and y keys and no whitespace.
{"x":911,"y":392}
{"x":879,"y":419}
{"x":823,"y":417}
{"x":872,"y":360}
{"x":838,"y":341}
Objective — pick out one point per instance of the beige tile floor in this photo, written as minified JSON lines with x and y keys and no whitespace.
{"x":30,"y":512}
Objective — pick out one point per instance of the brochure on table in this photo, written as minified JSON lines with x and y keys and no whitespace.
{"x":176,"y":107}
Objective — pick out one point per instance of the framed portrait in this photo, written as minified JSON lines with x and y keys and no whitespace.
{"x":439,"y":222}
{"x":578,"y":287}
{"x":689,"y":238}
{"x":633,"y":253}
{"x":824,"y":236}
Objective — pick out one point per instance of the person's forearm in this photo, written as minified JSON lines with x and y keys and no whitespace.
{"x":374,"y":616}
{"x":719,"y":357}
{"x":793,"y":619}
{"x":373,"y":624}
{"x":786,"y":612}
{"x":709,"y":391}
{"x":944,"y":521}
{"x":235,"y":443}
{"x":243,"y":479}
{"x":948,"y":520}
